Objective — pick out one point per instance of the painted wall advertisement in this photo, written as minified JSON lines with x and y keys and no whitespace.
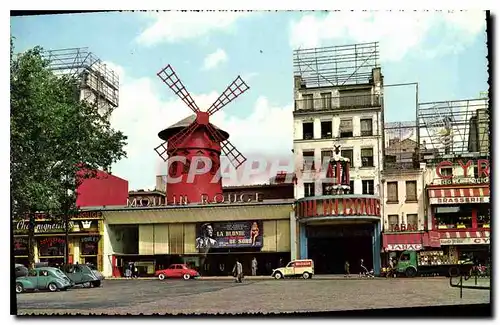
{"x":229,"y":235}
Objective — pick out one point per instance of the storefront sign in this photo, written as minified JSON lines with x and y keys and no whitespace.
{"x":404,"y":247}
{"x":89,"y":245}
{"x":483,"y":171}
{"x":339,"y":206}
{"x":54,"y":227}
{"x":465,"y":241}
{"x":79,"y":215}
{"x":465,"y":180}
{"x":403,"y":227}
{"x":204,"y":199}
{"x":229,"y":234}
{"x":462,"y":199}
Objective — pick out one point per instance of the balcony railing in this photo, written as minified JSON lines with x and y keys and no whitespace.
{"x":338,"y":102}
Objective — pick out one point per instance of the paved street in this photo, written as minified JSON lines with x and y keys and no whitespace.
{"x":149,"y":296}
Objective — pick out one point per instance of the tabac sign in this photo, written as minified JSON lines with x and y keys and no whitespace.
{"x":338,"y":206}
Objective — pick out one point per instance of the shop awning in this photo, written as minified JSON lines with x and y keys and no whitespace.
{"x":480,"y":237}
{"x":453,"y":195}
{"x":402,"y":242}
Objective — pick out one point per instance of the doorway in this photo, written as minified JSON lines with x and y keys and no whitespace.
{"x":331,"y":249}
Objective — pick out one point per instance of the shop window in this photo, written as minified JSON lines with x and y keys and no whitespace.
{"x":308,"y":160}
{"x":483,"y":216}
{"x":368,"y":186}
{"x":393,"y":220}
{"x":51,"y":246}
{"x":308,"y":189}
{"x":326,"y":130}
{"x":411,"y":191}
{"x":392,"y":192}
{"x":412,"y":220}
{"x":89,"y":245}
{"x":366,"y":127}
{"x":367,"y":157}
{"x":459,"y":217}
{"x":345,"y":128}
{"x":307,"y":130}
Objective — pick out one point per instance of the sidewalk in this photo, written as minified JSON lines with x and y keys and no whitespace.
{"x":268,"y":277}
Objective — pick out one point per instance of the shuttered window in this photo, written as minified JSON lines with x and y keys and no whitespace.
{"x":411,"y":191}
{"x":392,"y":192}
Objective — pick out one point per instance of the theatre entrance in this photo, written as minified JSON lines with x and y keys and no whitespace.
{"x":330,"y":246}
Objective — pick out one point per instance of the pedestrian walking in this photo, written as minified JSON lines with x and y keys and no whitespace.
{"x":254,"y":267}
{"x":128,"y":271}
{"x":363,"y":270}
{"x":281,"y":262}
{"x":238,"y":271}
{"x":346,"y":269}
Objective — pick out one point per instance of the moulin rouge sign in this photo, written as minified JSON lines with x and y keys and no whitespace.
{"x":204,"y":199}
{"x":339,"y":206}
{"x":483,"y":172}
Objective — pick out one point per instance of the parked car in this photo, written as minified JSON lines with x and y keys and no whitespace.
{"x":177,"y":271}
{"x":95,"y":271}
{"x":44,"y":278}
{"x":296,"y":268}
{"x":81,"y":274}
{"x":20,"y":270}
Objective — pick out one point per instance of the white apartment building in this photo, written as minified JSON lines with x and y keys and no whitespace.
{"x":349,"y":116}
{"x":403,"y":197}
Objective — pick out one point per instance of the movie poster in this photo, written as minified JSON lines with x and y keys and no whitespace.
{"x":229,"y":235}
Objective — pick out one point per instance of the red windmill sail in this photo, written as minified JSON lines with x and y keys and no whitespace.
{"x":191,"y":140}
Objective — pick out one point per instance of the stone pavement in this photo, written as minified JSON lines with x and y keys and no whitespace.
{"x":224,"y":296}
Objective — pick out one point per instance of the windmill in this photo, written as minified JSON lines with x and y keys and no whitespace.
{"x":193,"y":137}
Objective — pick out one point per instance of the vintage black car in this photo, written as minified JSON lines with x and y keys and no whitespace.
{"x":20,"y":270}
{"x":82,"y":274}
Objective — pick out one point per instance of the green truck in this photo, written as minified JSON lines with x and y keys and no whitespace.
{"x":413,"y":264}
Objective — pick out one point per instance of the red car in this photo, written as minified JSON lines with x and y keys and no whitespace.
{"x":177,"y":271}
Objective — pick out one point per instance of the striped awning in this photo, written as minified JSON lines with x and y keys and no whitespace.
{"x":447,"y":195}
{"x":480,"y":237}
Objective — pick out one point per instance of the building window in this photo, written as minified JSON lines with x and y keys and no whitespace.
{"x":326,"y":155}
{"x":411,"y":191}
{"x":393,"y":221}
{"x":366,"y":127}
{"x":326,"y":130}
{"x":308,"y":160}
{"x":324,"y":191}
{"x":308,"y":189}
{"x":392,"y":192}
{"x":347,"y":153}
{"x":309,"y":101}
{"x":368,"y":186}
{"x":367,"y":157}
{"x":326,"y":100}
{"x":412,"y":220}
{"x":308,"y":130}
{"x":345,"y":128}
{"x":351,"y":185}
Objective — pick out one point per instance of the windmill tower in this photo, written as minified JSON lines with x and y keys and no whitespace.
{"x":195,"y":137}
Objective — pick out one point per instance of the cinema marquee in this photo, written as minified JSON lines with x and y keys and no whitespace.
{"x":338,"y":206}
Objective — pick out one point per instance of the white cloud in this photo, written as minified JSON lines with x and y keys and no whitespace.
{"x":397,"y":32}
{"x":214,"y":59}
{"x":141,"y":115}
{"x":176,"y":26}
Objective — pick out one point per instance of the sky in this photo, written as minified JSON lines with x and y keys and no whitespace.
{"x":444,"y":52}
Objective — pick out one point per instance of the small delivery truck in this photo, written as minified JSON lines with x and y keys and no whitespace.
{"x":412,"y":263}
{"x":296,"y":268}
